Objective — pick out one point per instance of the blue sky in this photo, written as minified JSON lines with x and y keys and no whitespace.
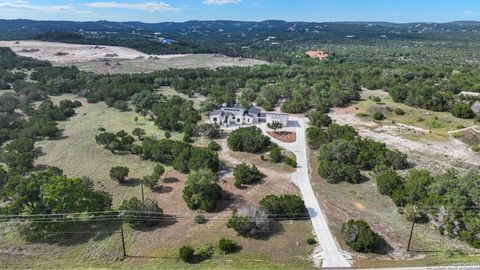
{"x":253,"y":10}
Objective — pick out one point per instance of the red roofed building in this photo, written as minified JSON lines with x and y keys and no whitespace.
{"x":317,"y":54}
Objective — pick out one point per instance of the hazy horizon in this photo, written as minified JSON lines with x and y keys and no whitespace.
{"x":219,"y":20}
{"x":149,"y":11}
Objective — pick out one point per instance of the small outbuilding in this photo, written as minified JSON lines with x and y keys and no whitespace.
{"x":277,"y":117}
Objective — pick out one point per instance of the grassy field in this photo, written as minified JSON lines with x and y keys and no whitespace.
{"x":149,"y":65}
{"x":436,"y":123}
{"x":79,"y":155}
{"x":170,"y":91}
{"x":153,"y":250}
{"x":346,"y":201}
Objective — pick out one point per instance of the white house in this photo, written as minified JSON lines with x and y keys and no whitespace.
{"x":226,"y":116}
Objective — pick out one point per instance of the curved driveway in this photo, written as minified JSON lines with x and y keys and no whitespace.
{"x":331,"y":256}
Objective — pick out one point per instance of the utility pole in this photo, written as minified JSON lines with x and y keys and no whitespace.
{"x":143,"y":197}
{"x":411,"y":229}
{"x":123,"y":239}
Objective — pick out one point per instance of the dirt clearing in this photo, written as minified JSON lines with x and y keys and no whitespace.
{"x":63,"y":53}
{"x":416,"y":142}
{"x":115,"y":59}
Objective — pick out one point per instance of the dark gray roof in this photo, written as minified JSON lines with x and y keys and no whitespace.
{"x":254,"y":110}
{"x":216,"y":112}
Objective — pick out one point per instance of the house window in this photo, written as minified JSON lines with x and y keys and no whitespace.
{"x":238,"y":120}
{"x":215,"y":120}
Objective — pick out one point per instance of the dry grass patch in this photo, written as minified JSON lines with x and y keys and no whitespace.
{"x":437,"y":124}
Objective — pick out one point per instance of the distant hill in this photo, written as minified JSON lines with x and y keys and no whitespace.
{"x":30,"y":28}
{"x":233,"y":37}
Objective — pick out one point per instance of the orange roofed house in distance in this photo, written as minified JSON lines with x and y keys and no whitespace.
{"x":317,"y":54}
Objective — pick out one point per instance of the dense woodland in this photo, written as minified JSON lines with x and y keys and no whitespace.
{"x":425,"y":70}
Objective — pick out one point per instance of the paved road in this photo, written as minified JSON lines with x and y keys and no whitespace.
{"x":331,"y":255}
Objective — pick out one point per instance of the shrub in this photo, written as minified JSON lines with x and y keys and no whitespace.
{"x":275,"y":125}
{"x":201,"y":190}
{"x":399,"y":111}
{"x":335,"y":172}
{"x":187,"y":138}
{"x":227,"y":245}
{"x":362,"y":114}
{"x":378,"y":116}
{"x":249,"y":221}
{"x":146,"y":214}
{"x":291,"y":161}
{"x":150,"y":181}
{"x":214,"y":146}
{"x":317,"y":136}
{"x":158,"y":171}
{"x":139,"y":132}
{"x":359,"y":236}
{"x":284,"y":205}
{"x":388,"y":181}
{"x":399,"y":197}
{"x":168,"y":135}
{"x":186,"y":253}
{"x":121,"y":105}
{"x":206,"y":251}
{"x":319,"y":119}
{"x":246,"y":175}
{"x":462,"y":110}
{"x":119,"y":173}
{"x":409,"y":212}
{"x":200,"y":219}
{"x":311,"y":241}
{"x":213,"y":131}
{"x":248,"y":139}
{"x":276,"y":154}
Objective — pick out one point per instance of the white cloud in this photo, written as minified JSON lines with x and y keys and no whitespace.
{"x":470,"y":13}
{"x":25,"y":5}
{"x":148,"y":6}
{"x":220,"y":2}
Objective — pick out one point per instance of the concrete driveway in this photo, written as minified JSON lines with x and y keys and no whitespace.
{"x":330,"y":255}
